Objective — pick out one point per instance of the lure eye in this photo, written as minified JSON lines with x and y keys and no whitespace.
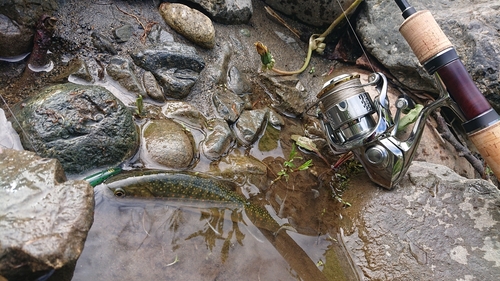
{"x":119,"y":192}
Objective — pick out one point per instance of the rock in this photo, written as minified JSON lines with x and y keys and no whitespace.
{"x":159,"y":36}
{"x":216,"y":71}
{"x":79,"y":69}
{"x":228,"y":104}
{"x":72,"y":122}
{"x":123,"y":33}
{"x":237,"y":82}
{"x":289,"y":100}
{"x":472,"y":28}
{"x":169,"y":55}
{"x":103,"y":44}
{"x":15,"y":39}
{"x":44,"y":219}
{"x":312,"y":12}
{"x":218,"y":140}
{"x":8,"y":136}
{"x":175,"y":66}
{"x":185,"y":113}
{"x":177,"y":83}
{"x":243,"y":169}
{"x":27,"y":12}
{"x":120,"y":69}
{"x":227,"y":11}
{"x":169,"y":144}
{"x":436,"y":225}
{"x":250,"y":125}
{"x":190,"y":23}
{"x":152,"y":87}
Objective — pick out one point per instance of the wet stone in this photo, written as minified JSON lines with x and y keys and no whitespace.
{"x":185,"y":113}
{"x":169,"y":144}
{"x":44,"y":219}
{"x":243,"y":169}
{"x":218,"y":140}
{"x":190,"y":23}
{"x":73,"y":122}
{"x":169,"y":55}
{"x":289,"y":99}
{"x":15,"y":40}
{"x":152,"y":87}
{"x":228,"y":104}
{"x":216,"y":71}
{"x":176,"y":83}
{"x":237,"y":82}
{"x":120,"y":69}
{"x":250,"y":125}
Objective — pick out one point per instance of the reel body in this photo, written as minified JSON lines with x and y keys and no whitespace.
{"x":352,"y":121}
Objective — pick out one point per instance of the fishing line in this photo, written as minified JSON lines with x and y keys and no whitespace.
{"x":19,"y":124}
{"x":356,"y":36}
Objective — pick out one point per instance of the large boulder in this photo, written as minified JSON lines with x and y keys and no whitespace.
{"x":44,"y":219}
{"x":436,"y":225}
{"x":84,"y":127}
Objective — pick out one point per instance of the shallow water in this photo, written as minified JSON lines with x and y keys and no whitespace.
{"x":161,"y":239}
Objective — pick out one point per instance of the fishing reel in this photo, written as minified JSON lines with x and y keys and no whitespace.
{"x":353,"y":121}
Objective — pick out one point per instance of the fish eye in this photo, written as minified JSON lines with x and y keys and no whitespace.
{"x":119,"y":192}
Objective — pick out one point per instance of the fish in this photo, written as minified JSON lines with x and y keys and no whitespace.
{"x":190,"y":186}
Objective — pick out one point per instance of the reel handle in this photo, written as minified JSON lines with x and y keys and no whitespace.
{"x":438,"y":56}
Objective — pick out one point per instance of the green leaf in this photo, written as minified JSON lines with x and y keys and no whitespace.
{"x":410,"y":118}
{"x":305,"y":166}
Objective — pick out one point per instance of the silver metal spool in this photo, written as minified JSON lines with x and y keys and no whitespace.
{"x":347,"y":108}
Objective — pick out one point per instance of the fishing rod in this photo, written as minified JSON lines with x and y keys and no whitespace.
{"x":438,"y":56}
{"x":354,"y":122}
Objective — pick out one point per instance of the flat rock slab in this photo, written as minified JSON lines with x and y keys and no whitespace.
{"x":44,"y":219}
{"x":436,"y":225}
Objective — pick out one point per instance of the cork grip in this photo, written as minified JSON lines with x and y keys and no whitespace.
{"x":487,"y":142}
{"x":424,"y":35}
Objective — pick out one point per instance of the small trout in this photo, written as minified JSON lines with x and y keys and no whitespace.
{"x":190,"y":186}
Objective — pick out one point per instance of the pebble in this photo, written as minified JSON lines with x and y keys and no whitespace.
{"x":190,"y":23}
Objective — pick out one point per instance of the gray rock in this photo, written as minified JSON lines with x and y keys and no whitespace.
{"x":176,"y":83}
{"x":27,"y":12}
{"x":123,"y":33}
{"x":190,"y":23}
{"x":15,"y":39}
{"x":218,"y":140}
{"x":84,"y":127}
{"x":185,"y":113}
{"x":175,"y":66}
{"x":228,"y":104}
{"x":250,"y":124}
{"x":120,"y":69}
{"x":169,"y":55}
{"x":159,"y":36}
{"x":288,"y":99}
{"x":44,"y":219}
{"x":152,"y":87}
{"x":169,"y":144}
{"x":471,"y":27}
{"x":312,"y":12}
{"x":216,"y":71}
{"x":227,"y":11}
{"x":436,"y":225}
{"x":237,"y":82}
{"x":103,"y":44}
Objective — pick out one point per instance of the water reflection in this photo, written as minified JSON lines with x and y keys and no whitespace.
{"x":140,"y":239}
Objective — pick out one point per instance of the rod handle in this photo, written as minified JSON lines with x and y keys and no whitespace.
{"x":487,"y":142}
{"x":424,"y":36}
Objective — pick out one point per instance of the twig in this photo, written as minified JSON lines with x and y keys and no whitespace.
{"x":146,"y":28}
{"x":282,"y":21}
{"x":445,"y":132}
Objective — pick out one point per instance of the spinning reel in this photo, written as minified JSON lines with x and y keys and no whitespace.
{"x":352,"y":121}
